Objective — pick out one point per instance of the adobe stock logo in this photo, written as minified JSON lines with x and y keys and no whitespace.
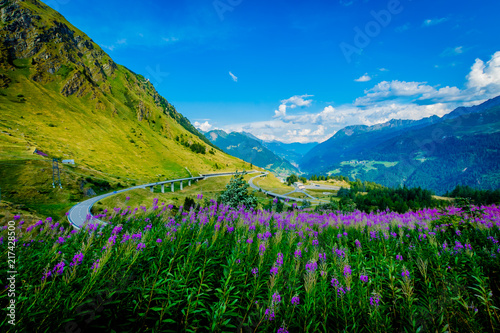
{"x":372,"y":29}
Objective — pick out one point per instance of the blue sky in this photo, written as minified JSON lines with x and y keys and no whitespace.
{"x":298,"y":71}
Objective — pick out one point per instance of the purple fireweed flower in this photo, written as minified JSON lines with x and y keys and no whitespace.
{"x":345,"y":233}
{"x":276,"y":298}
{"x":358,"y":243}
{"x":77,"y":259}
{"x":159,"y":240}
{"x":297,"y":254}
{"x":363,"y":278}
{"x":282,"y":330}
{"x":59,"y":268}
{"x":269,"y":314}
{"x":116,"y":230}
{"x":311,"y":267}
{"x":405,"y":274}
{"x":279,"y":260}
{"x":339,"y":235}
{"x":255,"y":271}
{"x":295,"y":300}
{"x":95,"y":265}
{"x":136,"y":236}
{"x":250,"y":241}
{"x":48,"y":219}
{"x":458,"y":233}
{"x":125,"y":238}
{"x":374,"y":301}
{"x":322,"y":257}
{"x":347,"y":270}
{"x":60,"y":240}
{"x":335,"y":282}
{"x":274,"y":270}
{"x":262,"y":249}
{"x":148,"y":227}
{"x":199,"y":196}
{"x":141,"y":246}
{"x":127,"y":198}
{"x":315,"y":242}
{"x":16,"y":217}
{"x":399,"y":257}
{"x":46,"y":275}
{"x":340,"y":291}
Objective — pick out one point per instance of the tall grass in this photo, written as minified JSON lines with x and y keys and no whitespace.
{"x":217,"y":269}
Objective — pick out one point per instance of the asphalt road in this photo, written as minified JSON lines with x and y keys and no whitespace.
{"x":78,"y":213}
{"x":322,"y":187}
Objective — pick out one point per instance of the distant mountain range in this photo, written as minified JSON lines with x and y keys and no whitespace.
{"x":462,"y":147}
{"x":274,"y":156}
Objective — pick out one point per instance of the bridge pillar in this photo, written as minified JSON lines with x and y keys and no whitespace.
{"x":189,"y":182}
{"x":181,"y":185}
{"x":152,"y":188}
{"x":172,"y":186}
{"x":162,"y":188}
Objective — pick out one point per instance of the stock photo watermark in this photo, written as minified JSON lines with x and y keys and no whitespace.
{"x":156,"y":76}
{"x":372,"y":29}
{"x":223,"y":6}
{"x":11,"y":272}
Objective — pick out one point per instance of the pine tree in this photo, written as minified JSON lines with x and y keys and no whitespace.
{"x":236,"y":193}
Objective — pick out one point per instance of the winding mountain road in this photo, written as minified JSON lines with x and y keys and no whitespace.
{"x":80,"y":213}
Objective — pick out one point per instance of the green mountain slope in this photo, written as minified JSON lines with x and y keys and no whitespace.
{"x":251,"y":150}
{"x":61,"y":94}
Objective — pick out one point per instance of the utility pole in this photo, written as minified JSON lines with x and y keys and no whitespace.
{"x":56,"y":174}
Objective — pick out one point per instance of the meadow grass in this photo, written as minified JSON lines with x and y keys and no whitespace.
{"x":219,"y":269}
{"x":272,"y":184}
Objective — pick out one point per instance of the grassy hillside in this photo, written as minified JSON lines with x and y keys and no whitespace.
{"x":61,"y":94}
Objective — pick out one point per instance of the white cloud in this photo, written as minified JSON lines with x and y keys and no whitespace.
{"x":364,"y":78}
{"x":452,"y":51}
{"x":298,"y":101}
{"x":430,"y":22}
{"x":384,"y":101}
{"x":121,"y":41}
{"x":234,"y":77}
{"x":485,"y":78}
{"x":281,"y":112}
{"x":383,"y":69}
{"x":205,"y":127}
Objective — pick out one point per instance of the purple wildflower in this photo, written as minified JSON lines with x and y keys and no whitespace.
{"x":141,"y":246}
{"x":276,"y":298}
{"x":255,"y":271}
{"x":295,"y":300}
{"x":159,"y":240}
{"x":311,"y":267}
{"x":274,"y":270}
{"x":269,"y":314}
{"x":347,"y":270}
{"x":363,"y":278}
{"x":95,"y":265}
{"x":279,"y":260}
